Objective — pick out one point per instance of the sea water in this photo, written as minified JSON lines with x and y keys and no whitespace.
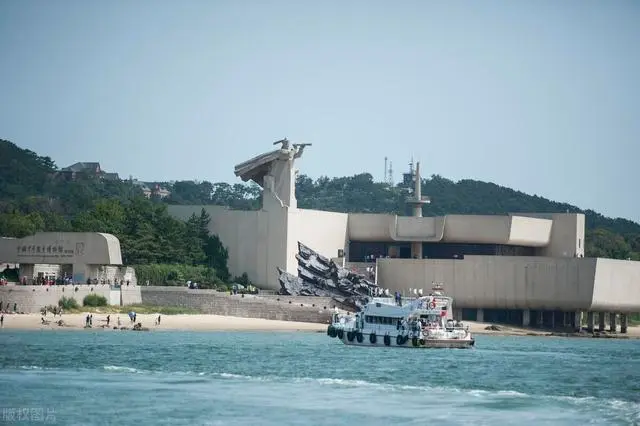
{"x":241,"y":378}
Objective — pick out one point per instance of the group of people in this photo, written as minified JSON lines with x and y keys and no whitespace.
{"x":8,"y":307}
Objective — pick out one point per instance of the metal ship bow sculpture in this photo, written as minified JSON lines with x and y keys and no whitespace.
{"x":320,"y":276}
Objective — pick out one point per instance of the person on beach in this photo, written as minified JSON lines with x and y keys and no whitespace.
{"x":158,"y":320}
{"x":118,"y":318}
{"x":108,"y":319}
{"x":1,"y":320}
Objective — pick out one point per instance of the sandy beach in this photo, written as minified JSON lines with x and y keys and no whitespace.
{"x":199,"y":322}
{"x":192,"y":322}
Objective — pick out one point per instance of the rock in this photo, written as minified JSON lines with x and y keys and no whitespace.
{"x":493,"y":327}
{"x":320,"y":276}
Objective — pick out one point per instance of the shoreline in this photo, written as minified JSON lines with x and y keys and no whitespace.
{"x":207,"y":322}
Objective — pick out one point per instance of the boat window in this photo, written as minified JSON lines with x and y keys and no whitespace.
{"x":374,"y":319}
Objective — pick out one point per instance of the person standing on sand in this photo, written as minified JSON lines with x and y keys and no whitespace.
{"x":158,"y":322}
{"x":1,"y":320}
{"x":118,"y":318}
{"x":108,"y":319}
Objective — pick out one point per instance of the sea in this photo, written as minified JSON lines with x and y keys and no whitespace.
{"x":107,"y":377}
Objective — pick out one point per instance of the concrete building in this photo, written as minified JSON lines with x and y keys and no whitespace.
{"x":86,"y":170}
{"x":526,"y":267}
{"x":80,"y":256}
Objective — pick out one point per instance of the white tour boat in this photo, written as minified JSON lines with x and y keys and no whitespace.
{"x":420,"y":322}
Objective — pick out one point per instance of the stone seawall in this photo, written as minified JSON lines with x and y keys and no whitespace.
{"x":273,"y":307}
{"x":32,"y":298}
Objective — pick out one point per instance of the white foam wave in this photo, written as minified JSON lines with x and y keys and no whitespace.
{"x":631,"y":409}
{"x":121,"y":369}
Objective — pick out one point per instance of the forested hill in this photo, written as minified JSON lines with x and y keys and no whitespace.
{"x":34,"y":197}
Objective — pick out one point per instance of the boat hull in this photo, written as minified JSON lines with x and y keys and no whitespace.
{"x":410,"y":343}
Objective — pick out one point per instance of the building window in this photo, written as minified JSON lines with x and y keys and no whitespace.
{"x":579,"y":242}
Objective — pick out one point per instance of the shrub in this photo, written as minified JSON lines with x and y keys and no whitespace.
{"x":177,"y":275}
{"x":68,"y":303}
{"x":94,"y":300}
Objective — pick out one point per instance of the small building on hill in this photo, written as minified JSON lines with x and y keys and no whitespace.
{"x":86,"y":170}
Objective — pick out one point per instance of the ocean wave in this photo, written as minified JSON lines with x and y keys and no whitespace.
{"x":628,"y":409}
{"x":121,"y":369}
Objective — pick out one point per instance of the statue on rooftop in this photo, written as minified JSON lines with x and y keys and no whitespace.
{"x":299,"y":148}
{"x":284,"y":142}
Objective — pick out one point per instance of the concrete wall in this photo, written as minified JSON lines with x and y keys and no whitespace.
{"x":130,"y":295}
{"x":256,"y":240}
{"x":567,"y":234}
{"x":32,"y":298}
{"x":269,"y":307}
{"x":259,"y":242}
{"x":519,"y":282}
{"x":559,"y":234}
{"x":417,"y":228}
{"x":617,"y":283}
{"x":324,"y":232}
{"x":114,"y":274}
{"x":370,"y":227}
{"x":529,"y":231}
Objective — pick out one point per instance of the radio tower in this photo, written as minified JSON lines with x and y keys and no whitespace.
{"x":384,"y":176}
{"x":390,"y":177}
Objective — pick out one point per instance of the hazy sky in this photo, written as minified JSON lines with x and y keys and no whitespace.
{"x":541,"y":96}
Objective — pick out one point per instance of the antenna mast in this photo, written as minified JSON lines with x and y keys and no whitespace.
{"x":384,"y":176}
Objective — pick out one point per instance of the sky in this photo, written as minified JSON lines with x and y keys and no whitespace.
{"x":540,"y":96}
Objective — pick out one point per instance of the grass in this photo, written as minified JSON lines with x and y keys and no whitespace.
{"x":138,"y":309}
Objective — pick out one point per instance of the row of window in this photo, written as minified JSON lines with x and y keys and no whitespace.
{"x":372,"y":319}
{"x":359,"y":251}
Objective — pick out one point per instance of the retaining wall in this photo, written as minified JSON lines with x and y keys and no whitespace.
{"x":32,"y":298}
{"x":273,"y":307}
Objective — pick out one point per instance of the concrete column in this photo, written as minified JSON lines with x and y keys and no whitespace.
{"x":566,"y":319}
{"x":601,"y":324}
{"x":480,"y":315}
{"x":576,"y":321}
{"x":526,"y":317}
{"x":590,"y":322}
{"x":553,"y":319}
{"x":612,"y":322}
{"x":624,"y":322}
{"x":416,"y":250}
{"x":540,"y":319}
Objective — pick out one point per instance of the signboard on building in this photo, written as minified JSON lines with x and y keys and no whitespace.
{"x":52,"y":252}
